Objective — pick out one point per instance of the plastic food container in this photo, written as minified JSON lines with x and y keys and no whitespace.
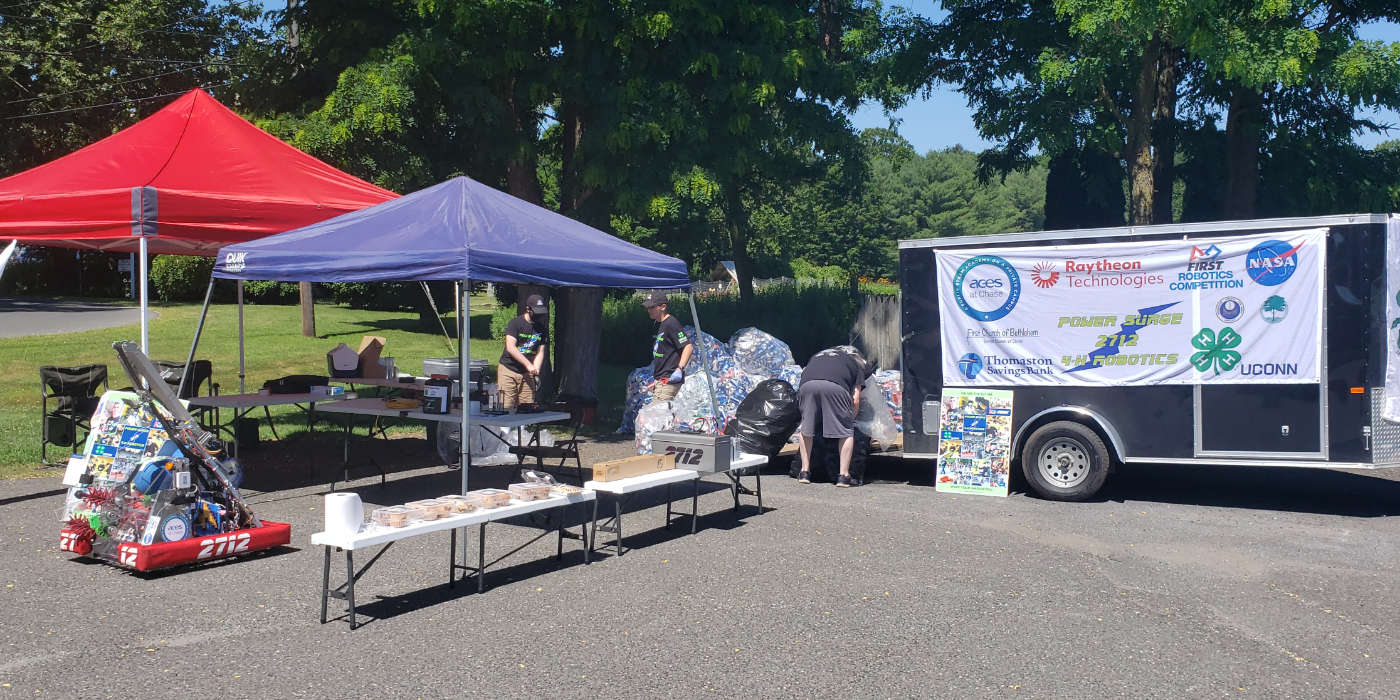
{"x":395,"y":516}
{"x":490,"y":498}
{"x":529,"y":491}
{"x":460,"y":504}
{"x":563,"y":490}
{"x":422,"y":510}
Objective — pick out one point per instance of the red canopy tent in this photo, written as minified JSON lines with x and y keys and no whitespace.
{"x":187,"y":180}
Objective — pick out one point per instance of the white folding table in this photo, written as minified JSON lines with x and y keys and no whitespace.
{"x":374,"y":535}
{"x":243,"y":404}
{"x":376,"y":407}
{"x":622,"y":488}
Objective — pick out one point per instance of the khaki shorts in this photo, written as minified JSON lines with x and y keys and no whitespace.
{"x":665,"y":392}
{"x":515,"y":388}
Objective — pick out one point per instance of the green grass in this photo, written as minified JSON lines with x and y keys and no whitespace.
{"x":275,"y":348}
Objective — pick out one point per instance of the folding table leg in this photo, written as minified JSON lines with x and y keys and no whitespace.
{"x":668,"y":507}
{"x":268,"y":412}
{"x":560,"y":555}
{"x":452,"y":559}
{"x":481,"y":560}
{"x":694,"y":506}
{"x":758,"y":486}
{"x":325,"y":583}
{"x":593,"y":541}
{"x":350,"y":584}
{"x":617,"y":514}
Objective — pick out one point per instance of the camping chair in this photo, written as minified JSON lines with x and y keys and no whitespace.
{"x":200,"y":383}
{"x":563,"y":450}
{"x":73,"y":391}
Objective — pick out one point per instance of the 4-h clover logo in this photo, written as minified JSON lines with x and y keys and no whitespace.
{"x":1216,"y":350}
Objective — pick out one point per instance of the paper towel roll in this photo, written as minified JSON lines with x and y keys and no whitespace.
{"x":345,"y":512}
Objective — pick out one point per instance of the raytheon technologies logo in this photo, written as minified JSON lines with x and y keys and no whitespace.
{"x":1044,"y":275}
{"x":986,"y":287}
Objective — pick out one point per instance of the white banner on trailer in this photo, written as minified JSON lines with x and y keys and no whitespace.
{"x":1225,"y":310}
{"x":1391,"y":412}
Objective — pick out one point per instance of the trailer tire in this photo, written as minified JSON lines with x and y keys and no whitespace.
{"x":1065,"y":461}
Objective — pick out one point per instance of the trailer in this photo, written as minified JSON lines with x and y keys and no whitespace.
{"x":1268,"y":342}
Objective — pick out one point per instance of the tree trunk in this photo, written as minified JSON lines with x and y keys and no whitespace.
{"x":829,"y":19}
{"x":1164,"y":136}
{"x":1242,"y":130}
{"x":738,"y":219}
{"x":579,"y":322}
{"x":1138,"y":144}
{"x":522,"y":170}
{"x":523,"y":292}
{"x":308,"y":310}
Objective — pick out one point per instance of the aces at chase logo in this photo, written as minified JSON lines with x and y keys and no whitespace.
{"x":986,"y":287}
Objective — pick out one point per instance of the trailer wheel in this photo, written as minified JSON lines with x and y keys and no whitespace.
{"x":1065,"y":461}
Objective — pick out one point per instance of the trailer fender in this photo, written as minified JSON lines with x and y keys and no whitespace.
{"x":1089,"y":417}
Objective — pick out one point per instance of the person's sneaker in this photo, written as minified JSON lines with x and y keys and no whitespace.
{"x":843,"y":482}
{"x":804,"y":477}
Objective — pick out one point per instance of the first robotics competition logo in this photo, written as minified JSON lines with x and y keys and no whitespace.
{"x":986,"y":288}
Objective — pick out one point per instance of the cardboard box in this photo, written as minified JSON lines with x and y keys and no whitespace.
{"x":618,"y":469}
{"x":370,"y":348}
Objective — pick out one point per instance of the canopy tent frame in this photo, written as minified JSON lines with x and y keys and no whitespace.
{"x":464,"y":357}
{"x":188,"y":179}
{"x":459,"y":230}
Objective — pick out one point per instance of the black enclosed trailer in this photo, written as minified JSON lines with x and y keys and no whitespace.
{"x":1289,"y":328}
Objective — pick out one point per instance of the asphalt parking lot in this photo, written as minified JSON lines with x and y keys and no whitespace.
{"x":1179,"y":582}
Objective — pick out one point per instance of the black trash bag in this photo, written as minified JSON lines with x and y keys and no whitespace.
{"x":766,"y":418}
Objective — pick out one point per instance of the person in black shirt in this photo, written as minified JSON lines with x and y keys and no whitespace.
{"x":670,"y":350}
{"x":518,"y":374}
{"x":829,"y":394}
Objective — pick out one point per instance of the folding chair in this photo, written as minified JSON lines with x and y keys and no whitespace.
{"x":563,"y":450}
{"x":199,"y":383}
{"x":73,"y":391}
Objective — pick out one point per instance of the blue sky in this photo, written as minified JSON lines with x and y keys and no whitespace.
{"x":943,"y":120}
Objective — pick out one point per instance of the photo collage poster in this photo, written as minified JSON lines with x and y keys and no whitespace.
{"x":122,"y":437}
{"x":974,"y":442}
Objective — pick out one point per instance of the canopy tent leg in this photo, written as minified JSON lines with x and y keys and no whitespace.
{"x":198,"y":330}
{"x":145,"y":302}
{"x":464,"y":374}
{"x":242,"y":365}
{"x":704,"y":360}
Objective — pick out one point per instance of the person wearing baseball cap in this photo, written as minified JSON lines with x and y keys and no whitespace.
{"x":518,"y":374}
{"x":670,"y":349}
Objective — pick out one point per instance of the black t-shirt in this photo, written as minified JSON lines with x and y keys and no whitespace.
{"x":529,"y":338}
{"x":837,"y":367}
{"x":666,"y":349}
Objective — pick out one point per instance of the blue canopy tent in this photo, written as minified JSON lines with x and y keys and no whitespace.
{"x":457,"y":230}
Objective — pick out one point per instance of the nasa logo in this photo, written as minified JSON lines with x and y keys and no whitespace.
{"x":1229,"y":309}
{"x":970,"y":365}
{"x":1271,"y":263}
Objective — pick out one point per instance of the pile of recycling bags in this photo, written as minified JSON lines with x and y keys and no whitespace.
{"x":749,"y":358}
